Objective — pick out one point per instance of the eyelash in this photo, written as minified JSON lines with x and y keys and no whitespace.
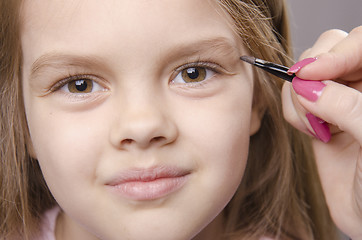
{"x":209,"y":65}
{"x":71,"y":78}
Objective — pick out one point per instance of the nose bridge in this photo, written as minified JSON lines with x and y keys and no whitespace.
{"x":142,"y":117}
{"x":142,"y":112}
{"x":141,"y":96}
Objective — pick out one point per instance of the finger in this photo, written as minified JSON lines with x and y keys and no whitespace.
{"x":338,"y":105}
{"x":300,"y":118}
{"x":292,"y":110}
{"x":344,"y":60}
{"x":325,"y":43}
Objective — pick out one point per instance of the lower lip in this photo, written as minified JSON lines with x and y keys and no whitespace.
{"x":149,"y":190}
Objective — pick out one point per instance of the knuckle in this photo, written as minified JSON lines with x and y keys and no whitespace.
{"x":333,"y":33}
{"x":357,"y":31}
{"x":349,"y":105}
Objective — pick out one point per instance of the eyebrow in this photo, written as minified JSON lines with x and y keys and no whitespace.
{"x":59,"y":60}
{"x":219,"y":46}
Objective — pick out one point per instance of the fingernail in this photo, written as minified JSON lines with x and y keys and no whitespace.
{"x":299,"y":65}
{"x":311,"y":90}
{"x":320,"y":128}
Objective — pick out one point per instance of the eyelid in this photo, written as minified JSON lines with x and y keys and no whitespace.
{"x":213,"y":66}
{"x":59,"y":84}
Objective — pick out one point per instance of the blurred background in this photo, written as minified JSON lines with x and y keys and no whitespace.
{"x":309,"y":18}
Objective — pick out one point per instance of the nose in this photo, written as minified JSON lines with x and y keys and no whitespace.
{"x":143,"y":124}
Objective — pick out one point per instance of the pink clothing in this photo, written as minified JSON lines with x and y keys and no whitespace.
{"x":48,"y":224}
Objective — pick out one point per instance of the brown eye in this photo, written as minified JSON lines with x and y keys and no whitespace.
{"x":80,"y":86}
{"x":193,"y":74}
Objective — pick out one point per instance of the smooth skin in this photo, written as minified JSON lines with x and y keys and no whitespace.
{"x":141,"y":112}
{"x":339,"y":60}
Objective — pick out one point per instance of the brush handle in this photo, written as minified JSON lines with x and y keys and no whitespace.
{"x":275,"y":69}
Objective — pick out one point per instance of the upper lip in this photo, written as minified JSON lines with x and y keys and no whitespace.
{"x":147,"y":174}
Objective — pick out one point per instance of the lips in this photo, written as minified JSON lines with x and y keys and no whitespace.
{"x":148,"y":184}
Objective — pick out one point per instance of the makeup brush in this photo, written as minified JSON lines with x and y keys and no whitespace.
{"x":273,"y":68}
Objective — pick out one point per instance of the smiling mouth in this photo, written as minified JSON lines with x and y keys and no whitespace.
{"x":148,"y":184}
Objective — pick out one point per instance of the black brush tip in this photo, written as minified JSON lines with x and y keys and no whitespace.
{"x":248,"y":59}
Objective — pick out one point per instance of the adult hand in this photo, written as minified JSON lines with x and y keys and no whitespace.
{"x":333,"y":93}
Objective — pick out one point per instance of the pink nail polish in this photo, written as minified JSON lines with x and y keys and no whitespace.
{"x":299,"y":65}
{"x":311,"y":90}
{"x":320,"y":128}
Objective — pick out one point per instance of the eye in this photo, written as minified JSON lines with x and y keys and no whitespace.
{"x":194,"y":74}
{"x":80,"y":85}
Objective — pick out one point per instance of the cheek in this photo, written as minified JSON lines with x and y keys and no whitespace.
{"x":221,"y":126}
{"x":226,"y":150}
{"x":223,"y":144}
{"x":66,"y":147}
{"x":218,"y":132}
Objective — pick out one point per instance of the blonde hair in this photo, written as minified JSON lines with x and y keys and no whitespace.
{"x":280,"y":195}
{"x":24,"y":194}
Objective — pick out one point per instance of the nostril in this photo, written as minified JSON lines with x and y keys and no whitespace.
{"x":157,"y":139}
{"x":126,"y":141}
{"x":129,"y":141}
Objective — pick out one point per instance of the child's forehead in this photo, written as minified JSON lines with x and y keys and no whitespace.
{"x":43,"y":11}
{"x":134,"y":17}
{"x":79,"y":25}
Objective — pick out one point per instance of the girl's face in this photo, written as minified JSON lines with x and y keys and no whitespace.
{"x":140,"y":114}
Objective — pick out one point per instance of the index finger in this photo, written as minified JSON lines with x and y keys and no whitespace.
{"x":343,"y":61}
